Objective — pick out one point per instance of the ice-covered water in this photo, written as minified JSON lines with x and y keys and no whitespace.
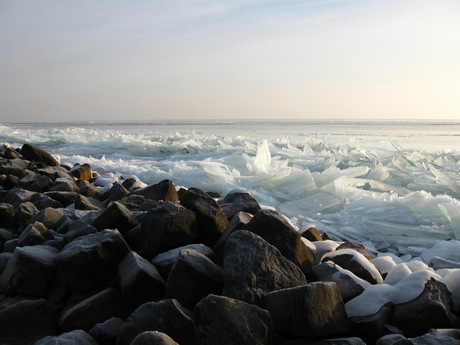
{"x":391,"y":185}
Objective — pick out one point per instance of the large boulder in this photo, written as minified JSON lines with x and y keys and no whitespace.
{"x":36,"y":233}
{"x":26,"y":321}
{"x":431,"y":309}
{"x":209,"y":215}
{"x":349,"y":284}
{"x":276,"y":230}
{"x":107,"y":332}
{"x":239,"y":202}
{"x":226,"y":321}
{"x":372,"y":327}
{"x":51,"y":218}
{"x":139,"y":280}
{"x":310,"y":311}
{"x":355,"y":262}
{"x":163,"y":190}
{"x":253,"y":267}
{"x":29,"y":271}
{"x":167,"y":316}
{"x":166,"y":227}
{"x":153,"y":338}
{"x":193,"y":277}
{"x":77,"y":336}
{"x":164,"y":262}
{"x":238,"y":222}
{"x":87,"y":203}
{"x":35,"y":182}
{"x":116,"y":216}
{"x":95,"y":309}
{"x":37,"y":154}
{"x":91,"y":260}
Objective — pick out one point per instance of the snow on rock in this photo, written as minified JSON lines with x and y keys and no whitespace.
{"x":376,"y":296}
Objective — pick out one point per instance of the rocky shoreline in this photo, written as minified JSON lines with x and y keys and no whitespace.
{"x":91,"y":259}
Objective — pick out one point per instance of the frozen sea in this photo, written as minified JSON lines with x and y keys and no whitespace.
{"x":393,"y":186}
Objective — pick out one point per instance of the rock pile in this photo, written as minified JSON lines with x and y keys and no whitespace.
{"x":89,"y":259}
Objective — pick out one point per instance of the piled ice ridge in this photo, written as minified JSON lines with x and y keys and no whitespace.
{"x":400,"y":201}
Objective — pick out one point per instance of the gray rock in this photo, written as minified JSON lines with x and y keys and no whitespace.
{"x":276,"y":230}
{"x":372,"y":327}
{"x":95,"y":309}
{"x":334,"y":341}
{"x":164,"y":262}
{"x":163,"y":190}
{"x":91,"y":260}
{"x":64,"y":184}
{"x":87,"y":203}
{"x":65,"y":198}
{"x":18,"y":195}
{"x":24,"y":213}
{"x":29,"y":271}
{"x":35,"y":233}
{"x":310,"y":311}
{"x":107,"y":332}
{"x":166,"y":227}
{"x":78,"y":228}
{"x":355,"y":262}
{"x":238,"y":222}
{"x":193,"y":277}
{"x":239,"y":202}
{"x":390,"y":339}
{"x":51,"y":218}
{"x":116,"y":193}
{"x":153,"y":338}
{"x":27,"y":321}
{"x":167,"y":316}
{"x":349,"y":284}
{"x":78,"y":336}
{"x":35,"y":182}
{"x":253,"y":267}
{"x":139,"y":280}
{"x":226,"y":321}
{"x":210,"y":217}
{"x":37,"y":154}
{"x":438,"y":263}
{"x":432,"y":309}
{"x":116,"y":216}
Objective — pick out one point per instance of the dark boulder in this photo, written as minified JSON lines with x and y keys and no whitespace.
{"x":29,"y":271}
{"x":35,"y":182}
{"x":116,"y":216}
{"x":164,"y":262}
{"x":432,"y":309}
{"x":37,"y":154}
{"x":78,"y":228}
{"x":239,"y":202}
{"x":65,"y":198}
{"x":116,"y":193}
{"x":166,"y":227}
{"x":163,"y":190}
{"x":78,"y":336}
{"x":90,"y":260}
{"x":107,"y":332}
{"x":51,"y":218}
{"x":42,"y":201}
{"x":333,"y":341}
{"x":253,"y":267}
{"x":355,"y":262}
{"x":167,"y":316}
{"x":64,"y":184}
{"x":95,"y":309}
{"x":18,"y":195}
{"x":310,"y":311}
{"x":209,"y":215}
{"x":372,"y":327}
{"x":226,"y":321}
{"x":23,"y":214}
{"x":26,"y":321}
{"x":193,"y":277}
{"x":15,"y":167}
{"x":349,"y":284}
{"x":87,"y":203}
{"x":238,"y":222}
{"x":35,"y":233}
{"x":276,"y":230}
{"x":139,"y":280}
{"x":153,"y":338}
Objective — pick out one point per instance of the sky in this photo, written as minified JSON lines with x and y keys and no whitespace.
{"x":228,"y":59}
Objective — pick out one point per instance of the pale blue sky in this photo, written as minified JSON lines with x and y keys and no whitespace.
{"x":100,"y":60}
